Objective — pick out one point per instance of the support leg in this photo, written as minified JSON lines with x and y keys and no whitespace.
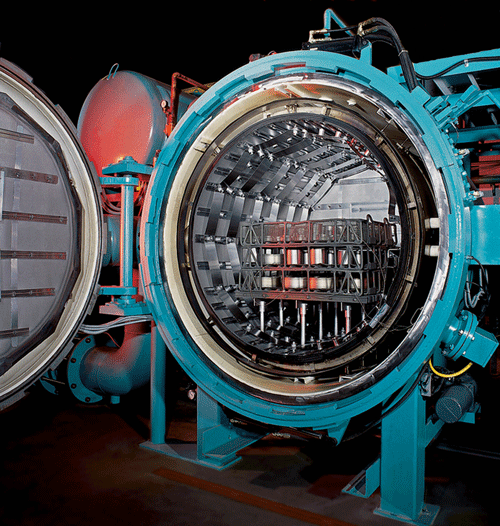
{"x":218,"y":441}
{"x":402,"y":467}
{"x":158,"y":386}
{"x":400,"y":470}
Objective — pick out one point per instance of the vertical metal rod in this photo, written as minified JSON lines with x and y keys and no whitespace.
{"x":174,"y":99}
{"x":303,"y":308}
{"x":282,"y":314}
{"x":320,"y":320}
{"x":336,"y":324}
{"x":158,"y":386}
{"x":2,"y":179}
{"x":330,"y":15}
{"x":262,"y":308}
{"x":347,"y":319}
{"x":126,"y":235}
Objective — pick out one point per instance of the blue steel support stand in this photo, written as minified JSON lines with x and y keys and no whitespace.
{"x":400,"y":470}
{"x":218,"y":441}
{"x":405,"y":435}
{"x":158,"y":386}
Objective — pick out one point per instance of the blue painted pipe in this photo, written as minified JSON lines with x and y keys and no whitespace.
{"x":116,"y":372}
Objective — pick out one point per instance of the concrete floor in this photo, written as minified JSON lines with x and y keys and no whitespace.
{"x":65,"y":463}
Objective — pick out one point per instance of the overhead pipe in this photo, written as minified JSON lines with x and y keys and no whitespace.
{"x":172,"y":109}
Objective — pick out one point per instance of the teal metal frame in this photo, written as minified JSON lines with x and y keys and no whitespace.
{"x":123,"y":175}
{"x":218,"y":441}
{"x":405,"y":435}
{"x":325,"y":415}
{"x":405,"y":431}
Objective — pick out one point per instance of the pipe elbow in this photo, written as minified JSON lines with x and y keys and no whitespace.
{"x":111,"y":371}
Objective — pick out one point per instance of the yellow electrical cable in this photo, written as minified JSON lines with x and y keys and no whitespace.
{"x":452,"y":375}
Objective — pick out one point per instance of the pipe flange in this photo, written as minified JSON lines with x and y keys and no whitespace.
{"x":74,"y":378}
{"x":461,"y":334}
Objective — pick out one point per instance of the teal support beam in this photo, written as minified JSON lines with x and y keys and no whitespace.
{"x":366,"y":483}
{"x":459,"y":65}
{"x":127,"y":235}
{"x":329,"y":16}
{"x":126,"y":288}
{"x":402,"y":463}
{"x":399,"y":471}
{"x":158,"y":386}
{"x":218,"y":441}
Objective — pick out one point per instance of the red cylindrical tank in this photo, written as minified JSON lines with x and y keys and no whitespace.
{"x":123,"y":116}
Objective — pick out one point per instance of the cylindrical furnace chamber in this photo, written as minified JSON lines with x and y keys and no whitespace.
{"x":284,"y":149}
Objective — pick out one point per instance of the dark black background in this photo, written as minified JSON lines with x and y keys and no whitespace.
{"x":68,"y":49}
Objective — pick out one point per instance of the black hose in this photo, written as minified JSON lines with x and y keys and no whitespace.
{"x":379,"y":24}
{"x":371,"y":30}
{"x":456,"y":65}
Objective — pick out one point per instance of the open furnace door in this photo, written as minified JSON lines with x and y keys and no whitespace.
{"x":50,"y":234}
